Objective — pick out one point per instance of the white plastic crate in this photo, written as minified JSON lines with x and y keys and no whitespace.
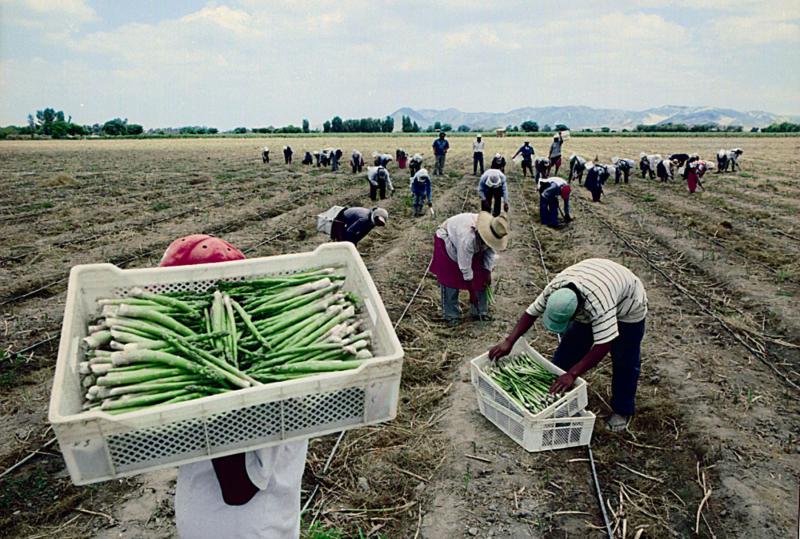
{"x":570,"y":403}
{"x":97,"y":446}
{"x":539,"y":434}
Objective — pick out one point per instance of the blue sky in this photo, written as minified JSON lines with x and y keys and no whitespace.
{"x":272,"y":62}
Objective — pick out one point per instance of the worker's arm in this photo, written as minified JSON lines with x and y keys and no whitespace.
{"x":588,"y":362}
{"x":516,"y":154}
{"x":481,"y":185}
{"x":504,"y":348}
{"x":234,"y":482}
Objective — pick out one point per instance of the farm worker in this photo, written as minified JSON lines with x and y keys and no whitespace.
{"x":415,"y":164}
{"x":492,"y":188}
{"x":464,"y":254}
{"x":402,"y":158}
{"x":624,"y":167}
{"x":356,"y":161}
{"x":287,"y":155}
{"x":353,"y":224}
{"x":596,"y":306}
{"x":527,"y":151}
{"x":335,"y":156}
{"x":555,"y":153}
{"x":440,"y":147}
{"x":693,"y":173}
{"x":664,"y":170}
{"x":246,"y":495}
{"x":317,"y":157}
{"x":477,"y":154}
{"x":325,"y":156}
{"x":548,"y":205}
{"x":381,"y":159}
{"x":379,"y":180}
{"x":307,"y":159}
{"x":679,"y":159}
{"x":729,"y":157}
{"x":498,"y":163}
{"x":541,"y":167}
{"x":265,"y":155}
{"x":594,"y":180}
{"x":577,"y":165}
{"x":648,"y":164}
{"x":420,"y":185}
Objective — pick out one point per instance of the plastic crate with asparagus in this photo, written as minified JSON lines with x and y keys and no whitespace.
{"x":151,"y":349}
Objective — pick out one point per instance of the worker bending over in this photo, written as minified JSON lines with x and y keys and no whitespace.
{"x":624,"y":168}
{"x":577,"y":165}
{"x":379,"y":180}
{"x":353,"y":224}
{"x":492,"y":189}
{"x":597,"y":306}
{"x":421,"y":189}
{"x":464,"y":253}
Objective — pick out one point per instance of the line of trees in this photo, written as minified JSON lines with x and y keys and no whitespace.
{"x":783,"y":127}
{"x":50,"y":122}
{"x":358,"y":125}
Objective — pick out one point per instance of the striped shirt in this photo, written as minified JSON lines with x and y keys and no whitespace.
{"x":611,"y":293}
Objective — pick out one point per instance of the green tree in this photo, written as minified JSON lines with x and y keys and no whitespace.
{"x":337,"y":126}
{"x":546,"y":128}
{"x":116,"y":127}
{"x":463,"y":128}
{"x":134,"y":129}
{"x":326,"y":127}
{"x":561,"y":127}
{"x":305,"y":125}
{"x":529,"y":126}
{"x":437,"y":126}
{"x":387,"y":125}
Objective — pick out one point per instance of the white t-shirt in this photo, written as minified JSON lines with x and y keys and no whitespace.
{"x":273,"y":513}
{"x":477,"y":147}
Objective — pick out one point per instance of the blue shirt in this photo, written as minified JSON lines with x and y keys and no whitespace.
{"x":440,"y":146}
{"x":358,"y":223}
{"x":526,"y":151}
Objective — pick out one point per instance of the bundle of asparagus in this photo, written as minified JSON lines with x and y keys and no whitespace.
{"x":526,"y":381}
{"x":150,"y":349}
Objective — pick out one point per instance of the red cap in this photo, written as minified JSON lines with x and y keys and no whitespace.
{"x":565,"y":191}
{"x":199,"y":249}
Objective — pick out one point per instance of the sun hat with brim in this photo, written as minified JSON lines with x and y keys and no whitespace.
{"x":379,"y":214}
{"x":494,"y":231}
{"x":561,"y":307}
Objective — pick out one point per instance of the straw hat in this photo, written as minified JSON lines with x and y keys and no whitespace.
{"x":494,"y":231}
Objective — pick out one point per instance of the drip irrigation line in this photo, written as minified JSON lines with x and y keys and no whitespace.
{"x":26,"y":458}
{"x":761,"y":355}
{"x":599,"y":493}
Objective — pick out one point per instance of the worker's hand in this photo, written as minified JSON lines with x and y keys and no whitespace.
{"x":430,"y":204}
{"x":500,"y":350}
{"x":505,"y":207}
{"x":562,"y":383}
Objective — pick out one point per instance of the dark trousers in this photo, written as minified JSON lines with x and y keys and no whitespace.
{"x":625,"y":357}
{"x":622,"y":172}
{"x":477,"y":159}
{"x":494,"y":200}
{"x":265,"y":157}
{"x":548,"y":210}
{"x":287,"y":158}
{"x":334,"y":164}
{"x":527,"y":164}
{"x":374,"y":189}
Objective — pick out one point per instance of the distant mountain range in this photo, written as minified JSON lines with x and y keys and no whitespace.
{"x":588,"y":117}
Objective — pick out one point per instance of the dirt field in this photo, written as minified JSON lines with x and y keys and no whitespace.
{"x":718,"y":395}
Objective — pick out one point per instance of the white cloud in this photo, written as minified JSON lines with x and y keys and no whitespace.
{"x":757,"y":30}
{"x":77,"y":10}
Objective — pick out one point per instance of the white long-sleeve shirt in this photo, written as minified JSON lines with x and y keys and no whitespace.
{"x":460,"y":235}
{"x":274,"y":511}
{"x":494,"y":174}
{"x":477,"y":147}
